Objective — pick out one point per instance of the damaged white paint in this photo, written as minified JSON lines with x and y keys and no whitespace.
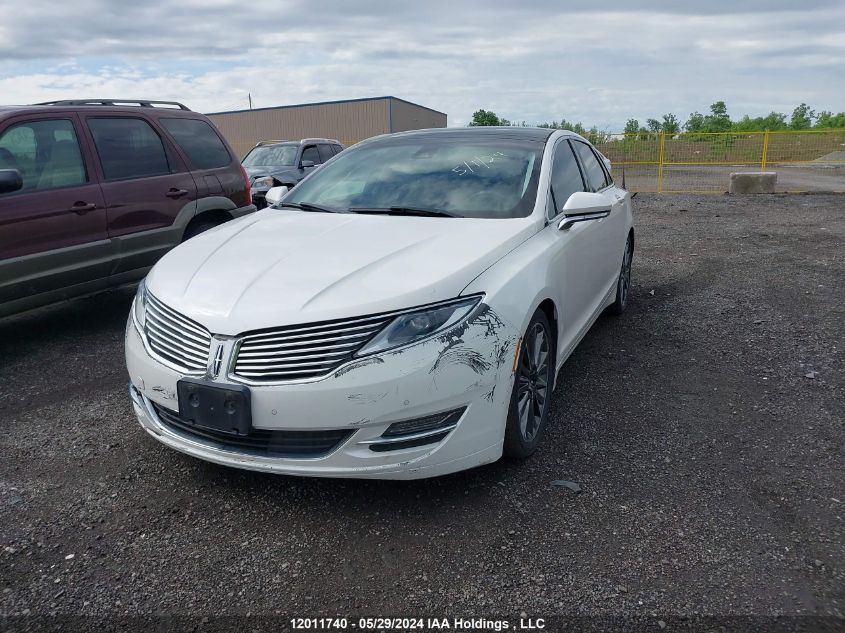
{"x":287,"y":267}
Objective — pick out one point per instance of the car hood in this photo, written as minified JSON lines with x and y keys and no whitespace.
{"x":255,"y":172}
{"x":276,"y":268}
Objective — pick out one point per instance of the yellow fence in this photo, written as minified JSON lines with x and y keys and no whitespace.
{"x":811,"y":160}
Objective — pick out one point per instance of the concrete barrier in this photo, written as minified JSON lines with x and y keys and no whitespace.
{"x":753,"y":182}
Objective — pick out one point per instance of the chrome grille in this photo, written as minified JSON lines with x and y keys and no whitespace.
{"x":304,"y":351}
{"x":175,"y":338}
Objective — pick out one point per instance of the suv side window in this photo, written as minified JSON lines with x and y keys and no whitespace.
{"x":128,"y":148}
{"x":593,"y":169}
{"x":45,"y":152}
{"x":325,"y":152}
{"x":310,"y":153}
{"x":565,"y":178}
{"x":199,"y":141}
{"x":337,"y":149}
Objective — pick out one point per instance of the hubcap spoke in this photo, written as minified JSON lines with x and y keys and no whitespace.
{"x":525,"y":363}
{"x":538,"y":346}
{"x":522,"y":409}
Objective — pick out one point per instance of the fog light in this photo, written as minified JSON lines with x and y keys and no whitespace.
{"x":420,"y":425}
{"x":417,"y":432}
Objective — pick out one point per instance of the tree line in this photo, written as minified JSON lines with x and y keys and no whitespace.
{"x":717,"y":120}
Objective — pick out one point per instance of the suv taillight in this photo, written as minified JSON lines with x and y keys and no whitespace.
{"x":246,"y":185}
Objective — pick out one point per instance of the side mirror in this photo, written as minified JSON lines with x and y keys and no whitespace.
{"x":275,"y":194}
{"x":583,"y":206}
{"x":306,"y":163}
{"x":10,"y":180}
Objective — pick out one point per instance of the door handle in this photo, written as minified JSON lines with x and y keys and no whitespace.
{"x":176,"y":193}
{"x":82,"y":208}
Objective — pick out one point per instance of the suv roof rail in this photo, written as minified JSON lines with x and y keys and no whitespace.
{"x":144,"y":103}
{"x":301,"y":141}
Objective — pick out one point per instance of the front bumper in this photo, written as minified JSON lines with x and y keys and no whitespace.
{"x":470,"y":369}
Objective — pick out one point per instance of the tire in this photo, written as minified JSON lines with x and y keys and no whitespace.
{"x":198,"y":226}
{"x":623,"y":284}
{"x":532,"y":389}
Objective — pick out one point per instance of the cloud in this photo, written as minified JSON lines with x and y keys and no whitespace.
{"x":532,"y":61}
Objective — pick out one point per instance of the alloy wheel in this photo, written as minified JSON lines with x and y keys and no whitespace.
{"x":533,"y":381}
{"x":625,"y":273}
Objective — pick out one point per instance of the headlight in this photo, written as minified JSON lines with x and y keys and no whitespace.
{"x":262,"y":182}
{"x":139,"y":306}
{"x":415,"y":326}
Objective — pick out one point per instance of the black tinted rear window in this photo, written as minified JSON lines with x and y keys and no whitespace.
{"x":128,"y":148}
{"x":325,"y":152}
{"x":199,"y":141}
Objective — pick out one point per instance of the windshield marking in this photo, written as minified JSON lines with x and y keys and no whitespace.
{"x":479,"y":161}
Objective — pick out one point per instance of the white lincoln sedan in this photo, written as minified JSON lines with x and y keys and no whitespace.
{"x":402,"y":313}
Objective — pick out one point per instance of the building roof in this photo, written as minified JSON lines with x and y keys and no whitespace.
{"x":320,"y":103}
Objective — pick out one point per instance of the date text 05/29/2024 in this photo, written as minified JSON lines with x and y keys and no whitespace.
{"x":416,"y":624}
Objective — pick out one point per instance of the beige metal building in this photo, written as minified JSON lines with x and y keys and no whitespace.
{"x":347,"y":121}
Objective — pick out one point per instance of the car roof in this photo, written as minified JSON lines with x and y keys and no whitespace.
{"x":527,"y":133}
{"x":302,"y":142}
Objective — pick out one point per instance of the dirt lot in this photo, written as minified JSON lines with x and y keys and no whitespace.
{"x":716,"y":178}
{"x":705,"y":427}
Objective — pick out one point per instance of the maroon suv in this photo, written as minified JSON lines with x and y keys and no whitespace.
{"x":92,"y":193}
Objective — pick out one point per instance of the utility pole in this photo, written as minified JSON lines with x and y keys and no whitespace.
{"x":249,"y":96}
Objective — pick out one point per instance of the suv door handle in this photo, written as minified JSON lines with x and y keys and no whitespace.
{"x":176,"y":193}
{"x":82,"y":208}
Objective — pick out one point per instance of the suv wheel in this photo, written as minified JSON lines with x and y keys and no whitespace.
{"x":198,"y":226}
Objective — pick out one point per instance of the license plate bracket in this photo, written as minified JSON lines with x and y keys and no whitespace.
{"x":222,"y":408}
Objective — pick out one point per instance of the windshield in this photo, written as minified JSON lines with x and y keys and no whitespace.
{"x":271,"y":155}
{"x":463,"y":176}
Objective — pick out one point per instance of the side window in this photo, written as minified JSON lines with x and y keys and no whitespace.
{"x":337,"y":149}
{"x":310,"y":153}
{"x":128,"y":148}
{"x":199,"y":141}
{"x":566,"y":176}
{"x":325,"y":152}
{"x":593,"y":169}
{"x":45,"y":152}
{"x":607,"y":175}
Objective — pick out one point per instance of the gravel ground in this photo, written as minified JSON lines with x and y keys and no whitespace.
{"x":807,"y":177}
{"x":705,"y":428}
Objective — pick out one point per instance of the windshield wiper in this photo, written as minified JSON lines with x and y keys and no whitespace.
{"x":432,"y":213}
{"x":310,"y":206}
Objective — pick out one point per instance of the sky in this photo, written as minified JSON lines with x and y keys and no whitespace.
{"x":597,"y":62}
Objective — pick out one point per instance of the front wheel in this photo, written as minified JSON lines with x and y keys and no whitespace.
{"x":623,"y":284}
{"x":532,"y":389}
